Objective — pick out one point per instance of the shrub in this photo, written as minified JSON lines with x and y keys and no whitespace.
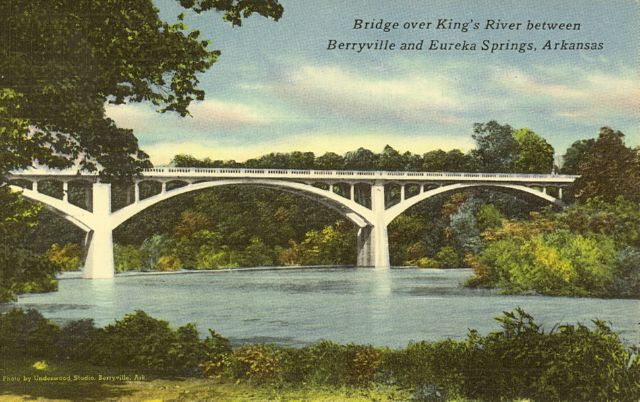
{"x":426,"y":262}
{"x":363,"y":364}
{"x":627,"y":275}
{"x":447,"y":257}
{"x":258,"y":363}
{"x":68,"y":257}
{"x":329,"y":363}
{"x":77,"y":340}
{"x":187,"y":352}
{"x":426,"y":365}
{"x":153,"y":248}
{"x":127,"y":258}
{"x":218,"y":350}
{"x":559,"y":263}
{"x":27,"y":333}
{"x":168,"y":263}
{"x":571,"y":362}
{"x":140,"y":341}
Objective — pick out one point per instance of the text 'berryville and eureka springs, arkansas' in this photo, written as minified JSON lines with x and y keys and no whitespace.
{"x":466,"y":44}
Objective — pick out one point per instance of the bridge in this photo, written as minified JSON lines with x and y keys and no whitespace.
{"x":369,"y":199}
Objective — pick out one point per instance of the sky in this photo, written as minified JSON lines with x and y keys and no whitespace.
{"x":277,"y":88}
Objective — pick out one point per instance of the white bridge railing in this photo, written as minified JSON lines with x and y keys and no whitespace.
{"x":354,"y":175}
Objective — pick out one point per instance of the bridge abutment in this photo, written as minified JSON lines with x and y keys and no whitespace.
{"x":99,"y":263}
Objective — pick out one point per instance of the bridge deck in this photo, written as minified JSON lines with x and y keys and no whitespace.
{"x":297,"y":174}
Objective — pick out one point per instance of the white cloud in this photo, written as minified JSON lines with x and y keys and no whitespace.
{"x":208,"y":114}
{"x":335,"y":91}
{"x":214,"y":112}
{"x":132,"y":116}
{"x":573,"y":93}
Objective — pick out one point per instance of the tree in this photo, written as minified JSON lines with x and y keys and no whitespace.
{"x":329,"y":161}
{"x":361,"y":159}
{"x":62,"y":60}
{"x":390,"y":159}
{"x":535,"y":154}
{"x":609,"y":169}
{"x":575,"y":155}
{"x":496,"y":148}
{"x":434,"y":161}
{"x":20,"y":269}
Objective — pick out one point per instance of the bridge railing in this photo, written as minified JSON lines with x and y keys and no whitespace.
{"x":355,"y":174}
{"x":192,"y":172}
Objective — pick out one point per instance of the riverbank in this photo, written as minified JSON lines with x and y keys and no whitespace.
{"x":140,"y":357}
{"x":83,"y":381}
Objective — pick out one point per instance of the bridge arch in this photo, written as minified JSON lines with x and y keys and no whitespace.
{"x":76,"y":215}
{"x":350,"y":209}
{"x":396,"y":210}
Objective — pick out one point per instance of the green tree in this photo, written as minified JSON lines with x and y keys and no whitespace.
{"x":609,"y":169}
{"x":576,"y":155}
{"x":451,"y":161}
{"x":489,"y":217}
{"x":361,"y":159}
{"x":390,"y":159}
{"x":535,"y":154}
{"x":496,"y":148}
{"x":330,"y":161}
{"x":63,"y":60}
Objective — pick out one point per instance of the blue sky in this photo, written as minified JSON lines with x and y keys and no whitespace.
{"x":276,"y":87}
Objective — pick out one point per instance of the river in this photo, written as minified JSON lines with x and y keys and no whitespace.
{"x":300,"y":306}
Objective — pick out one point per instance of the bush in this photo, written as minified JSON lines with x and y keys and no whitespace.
{"x":426,"y":365}
{"x":571,"y":362}
{"x":258,"y":363}
{"x":329,"y":363}
{"x":68,"y":257}
{"x":218,"y":349}
{"x":168,"y":263}
{"x":558,"y":263}
{"x":426,"y":262}
{"x":627,"y":275}
{"x":77,"y":340}
{"x":27,"y":333}
{"x":127,"y":258}
{"x":153,"y":248}
{"x":140,"y":341}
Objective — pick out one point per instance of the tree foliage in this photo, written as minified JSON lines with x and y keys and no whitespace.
{"x":609,"y":169}
{"x":586,"y":250}
{"x":576,"y":155}
{"x":62,"y":60}
{"x":496,"y":148}
{"x":535,"y":154}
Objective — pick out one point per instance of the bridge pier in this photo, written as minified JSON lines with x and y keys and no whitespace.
{"x":99,"y":263}
{"x":373,"y":241}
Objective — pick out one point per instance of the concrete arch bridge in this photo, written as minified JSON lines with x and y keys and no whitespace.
{"x":370,"y":199}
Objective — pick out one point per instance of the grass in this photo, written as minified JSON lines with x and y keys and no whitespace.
{"x":97,"y":383}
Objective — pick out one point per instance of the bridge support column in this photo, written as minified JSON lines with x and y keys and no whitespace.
{"x":99,"y":263}
{"x":373,"y":243}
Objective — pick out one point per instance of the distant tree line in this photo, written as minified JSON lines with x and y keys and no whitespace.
{"x":499,"y":148}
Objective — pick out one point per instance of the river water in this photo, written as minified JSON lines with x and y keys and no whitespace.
{"x":300,"y":306}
